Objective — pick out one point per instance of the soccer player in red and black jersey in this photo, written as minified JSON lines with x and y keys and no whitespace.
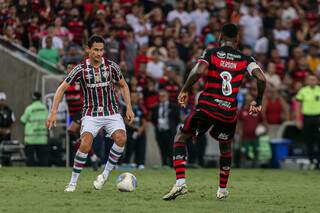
{"x":98,"y":77}
{"x":224,"y":68}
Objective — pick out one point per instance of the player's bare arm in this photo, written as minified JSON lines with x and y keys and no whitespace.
{"x":52,"y":118}
{"x":126,"y":96}
{"x":255,"y":106}
{"x":197,"y":71}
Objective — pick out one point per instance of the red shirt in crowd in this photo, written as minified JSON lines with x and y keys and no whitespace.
{"x":273,"y":111}
{"x":249,"y":124}
{"x":77,"y":29}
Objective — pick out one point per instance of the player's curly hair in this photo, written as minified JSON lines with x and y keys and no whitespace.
{"x":229,"y":30}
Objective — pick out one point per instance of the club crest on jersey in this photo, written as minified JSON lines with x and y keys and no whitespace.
{"x":97,"y":78}
{"x":221,"y":54}
{"x":105,"y":74}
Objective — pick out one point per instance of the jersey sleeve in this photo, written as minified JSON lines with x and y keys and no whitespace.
{"x":25,"y":117}
{"x":300,"y":95}
{"x":74,"y":75}
{"x":252,"y":64}
{"x":116,"y":72}
{"x":205,"y":57}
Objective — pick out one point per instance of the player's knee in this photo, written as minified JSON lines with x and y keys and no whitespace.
{"x":181,"y":137}
{"x":119,"y":137}
{"x":86,"y":143}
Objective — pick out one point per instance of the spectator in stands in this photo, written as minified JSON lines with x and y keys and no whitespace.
{"x":165,"y":117}
{"x":113,"y":46}
{"x":282,"y":38}
{"x":129,"y":51}
{"x":252,"y":26}
{"x":272,"y":77}
{"x":156,"y":67}
{"x":275,"y":110}
{"x":175,"y":62}
{"x":36,"y":133}
{"x":34,"y":32}
{"x":314,"y":59}
{"x":142,"y":30}
{"x":200,"y":16}
{"x":247,"y":126}
{"x":309,"y":107}
{"x":73,"y":56}
{"x":180,"y":13}
{"x":77,"y":27}
{"x":61,"y":31}
{"x":57,"y":42}
{"x":7,"y":118}
{"x":49,"y":55}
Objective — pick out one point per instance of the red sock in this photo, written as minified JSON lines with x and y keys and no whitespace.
{"x":225,"y":163}
{"x":179,"y":159}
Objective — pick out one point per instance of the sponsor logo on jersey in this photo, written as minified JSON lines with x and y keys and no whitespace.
{"x":221,"y":54}
{"x":228,"y":64}
{"x":104,"y":84}
{"x":231,"y":56}
{"x":223,"y":136}
{"x":223,"y":103}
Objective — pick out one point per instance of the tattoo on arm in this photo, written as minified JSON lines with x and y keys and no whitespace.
{"x":261,"y":84}
{"x":194,"y":76}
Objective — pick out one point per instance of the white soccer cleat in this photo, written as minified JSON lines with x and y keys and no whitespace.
{"x":175,"y":192}
{"x":70,"y":188}
{"x":222,"y":194}
{"x":99,"y":182}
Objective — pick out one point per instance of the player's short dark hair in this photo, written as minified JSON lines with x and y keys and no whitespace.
{"x":95,"y":39}
{"x":36,"y":96}
{"x":230,"y":30}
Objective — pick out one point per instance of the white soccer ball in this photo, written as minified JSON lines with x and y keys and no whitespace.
{"x":126,"y":182}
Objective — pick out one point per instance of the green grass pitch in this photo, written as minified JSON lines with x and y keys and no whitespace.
{"x":40,"y":190}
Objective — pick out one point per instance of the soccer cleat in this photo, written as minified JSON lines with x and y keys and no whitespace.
{"x":222,"y":194}
{"x":99,"y":182}
{"x":175,"y":192}
{"x":70,"y":188}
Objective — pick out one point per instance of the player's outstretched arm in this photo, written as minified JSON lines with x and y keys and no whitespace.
{"x":126,"y":96}
{"x":52,"y":118}
{"x":261,"y":85}
{"x":197,"y":71}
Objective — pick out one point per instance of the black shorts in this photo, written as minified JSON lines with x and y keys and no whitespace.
{"x":198,"y":123}
{"x":77,"y":118}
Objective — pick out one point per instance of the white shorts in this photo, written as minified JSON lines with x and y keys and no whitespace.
{"x":109,"y":123}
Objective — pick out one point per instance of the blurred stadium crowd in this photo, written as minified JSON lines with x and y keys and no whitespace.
{"x":157,"y":42}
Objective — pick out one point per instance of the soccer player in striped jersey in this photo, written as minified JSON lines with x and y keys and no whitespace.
{"x":98,"y":78}
{"x":224,"y":69}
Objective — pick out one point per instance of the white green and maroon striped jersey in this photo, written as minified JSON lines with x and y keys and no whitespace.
{"x":226,"y":70}
{"x":98,"y":87}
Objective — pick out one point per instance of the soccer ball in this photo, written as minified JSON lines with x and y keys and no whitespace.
{"x":126,"y":182}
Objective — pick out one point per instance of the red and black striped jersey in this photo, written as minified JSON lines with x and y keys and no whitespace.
{"x":74,"y":99}
{"x":226,"y":70}
{"x":98,"y":87}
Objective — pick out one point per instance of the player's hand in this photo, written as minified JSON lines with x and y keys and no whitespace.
{"x":183,"y":99}
{"x":254,"y":109}
{"x":130,"y":115}
{"x":51,"y":120}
